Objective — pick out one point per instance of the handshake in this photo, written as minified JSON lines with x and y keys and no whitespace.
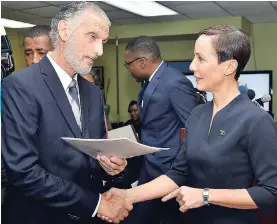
{"x":115,"y":205}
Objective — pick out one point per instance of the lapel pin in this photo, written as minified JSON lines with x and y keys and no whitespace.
{"x":222,"y":132}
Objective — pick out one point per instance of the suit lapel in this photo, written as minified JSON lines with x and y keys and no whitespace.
{"x":55,"y":86}
{"x":151,"y":88}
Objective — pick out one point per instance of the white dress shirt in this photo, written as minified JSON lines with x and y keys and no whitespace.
{"x":66,"y":79}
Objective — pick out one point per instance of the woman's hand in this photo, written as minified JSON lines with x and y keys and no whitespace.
{"x":187,"y":197}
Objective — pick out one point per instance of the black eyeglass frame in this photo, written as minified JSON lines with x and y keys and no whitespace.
{"x":127,"y":64}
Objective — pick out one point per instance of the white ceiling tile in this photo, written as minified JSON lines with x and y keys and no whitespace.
{"x":120,"y":14}
{"x":274,"y":3}
{"x":49,"y":11}
{"x":58,"y":2}
{"x":18,"y":16}
{"x":168,"y":18}
{"x":235,"y":5}
{"x":102,"y":5}
{"x":263,"y":18}
{"x":202,"y":15}
{"x":106,"y":7}
{"x":170,"y":3}
{"x":198,"y":8}
{"x":254,"y":11}
{"x":22,"y":4}
{"x":132,"y":21}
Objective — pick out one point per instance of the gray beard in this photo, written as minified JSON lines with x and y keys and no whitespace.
{"x":73,"y":60}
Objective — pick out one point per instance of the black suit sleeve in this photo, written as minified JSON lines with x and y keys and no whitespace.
{"x":179,"y":170}
{"x":262,"y":149}
{"x":20,"y":114}
{"x":183,"y":98}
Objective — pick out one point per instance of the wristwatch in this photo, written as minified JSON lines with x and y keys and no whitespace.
{"x":206,"y":197}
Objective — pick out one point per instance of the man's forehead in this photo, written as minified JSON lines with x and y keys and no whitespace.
{"x":37,"y":40}
{"x":92,"y":16}
{"x":38,"y":43}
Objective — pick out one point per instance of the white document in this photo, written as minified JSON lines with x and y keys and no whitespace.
{"x":123,"y":132}
{"x":119,"y":147}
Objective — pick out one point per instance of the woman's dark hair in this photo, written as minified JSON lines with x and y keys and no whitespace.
{"x":230,"y":43}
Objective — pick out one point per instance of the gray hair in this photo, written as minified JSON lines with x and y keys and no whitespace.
{"x":71,"y":11}
{"x":144,"y":46}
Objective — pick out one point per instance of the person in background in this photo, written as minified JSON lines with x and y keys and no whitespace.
{"x":133,"y":168}
{"x":227,"y":165}
{"x":37,"y":43}
{"x":135,"y":117}
{"x":49,"y":180}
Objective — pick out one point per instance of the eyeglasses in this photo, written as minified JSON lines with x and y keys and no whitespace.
{"x":127,"y":64}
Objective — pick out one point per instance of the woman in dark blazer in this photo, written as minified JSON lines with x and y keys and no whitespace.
{"x":227,"y":165}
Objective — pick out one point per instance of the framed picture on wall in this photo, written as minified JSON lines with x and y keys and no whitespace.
{"x":98,"y":75}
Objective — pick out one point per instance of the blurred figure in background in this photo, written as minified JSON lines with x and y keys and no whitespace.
{"x":135,"y":117}
{"x":133,"y":168}
{"x":37,"y":43}
{"x":89,"y":77}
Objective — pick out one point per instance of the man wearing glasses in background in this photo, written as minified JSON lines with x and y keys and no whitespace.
{"x":165,"y":102}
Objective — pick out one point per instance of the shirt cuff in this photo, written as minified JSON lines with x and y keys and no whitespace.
{"x":97,"y":207}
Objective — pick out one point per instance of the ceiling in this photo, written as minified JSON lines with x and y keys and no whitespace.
{"x":41,"y":12}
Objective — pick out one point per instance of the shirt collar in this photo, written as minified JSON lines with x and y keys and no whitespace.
{"x":155,"y":71}
{"x":64,"y":77}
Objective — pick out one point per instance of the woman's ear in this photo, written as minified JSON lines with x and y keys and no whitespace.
{"x":231,"y":67}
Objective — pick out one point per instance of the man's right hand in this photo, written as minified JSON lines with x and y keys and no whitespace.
{"x":114,"y":208}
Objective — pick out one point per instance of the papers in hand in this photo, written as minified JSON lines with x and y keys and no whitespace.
{"x":118,"y":147}
{"x":124,"y":132}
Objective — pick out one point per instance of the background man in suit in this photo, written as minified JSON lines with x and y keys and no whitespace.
{"x":49,"y":180}
{"x":165,"y":102}
{"x":37,"y":43}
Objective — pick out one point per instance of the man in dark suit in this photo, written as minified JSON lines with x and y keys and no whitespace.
{"x":165,"y":102}
{"x":49,"y":180}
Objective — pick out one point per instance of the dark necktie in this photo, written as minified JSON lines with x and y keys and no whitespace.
{"x":74,"y":92}
{"x":144,"y":87}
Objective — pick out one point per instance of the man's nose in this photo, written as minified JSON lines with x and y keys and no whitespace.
{"x":99,"y":48}
{"x":36,"y":58}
